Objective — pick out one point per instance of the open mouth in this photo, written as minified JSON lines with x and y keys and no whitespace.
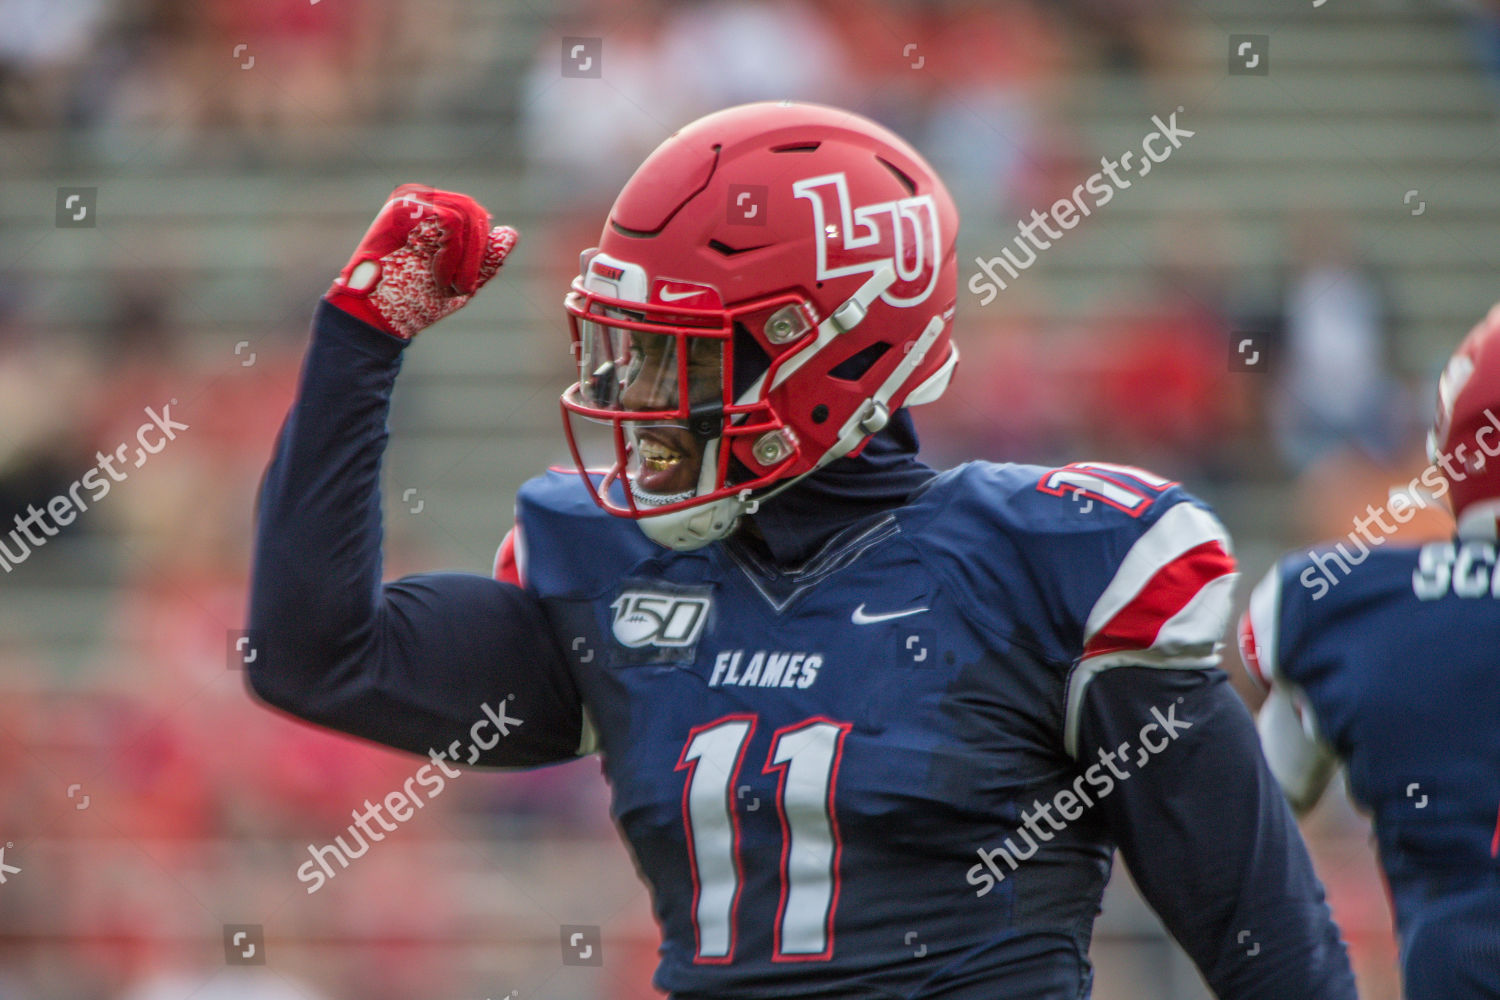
{"x":670,"y":458}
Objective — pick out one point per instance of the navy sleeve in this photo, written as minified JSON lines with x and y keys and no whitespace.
{"x":455,"y":663}
{"x":1208,"y":837}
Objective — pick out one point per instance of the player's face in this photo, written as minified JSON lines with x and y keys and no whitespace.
{"x":668,"y":453}
{"x":668,"y":456}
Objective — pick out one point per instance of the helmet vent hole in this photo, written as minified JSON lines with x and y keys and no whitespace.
{"x":635,"y":233}
{"x":796,"y":147}
{"x":901,"y":175}
{"x":728,"y":251}
{"x":853,"y":369}
{"x":819,"y":413}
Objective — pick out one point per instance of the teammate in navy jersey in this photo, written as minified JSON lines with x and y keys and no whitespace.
{"x":871,"y":730}
{"x":1384,"y":656}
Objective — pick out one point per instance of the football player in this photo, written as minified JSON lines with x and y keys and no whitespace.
{"x":1384,"y":656}
{"x":957,"y":693}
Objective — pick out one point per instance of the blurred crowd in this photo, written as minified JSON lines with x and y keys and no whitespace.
{"x":201,"y":802}
{"x":118,"y":67}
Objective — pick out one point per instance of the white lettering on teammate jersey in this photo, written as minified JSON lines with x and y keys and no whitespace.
{"x":765,"y":668}
{"x":1466,"y":570}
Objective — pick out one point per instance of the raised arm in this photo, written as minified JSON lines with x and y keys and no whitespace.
{"x":454,"y":663}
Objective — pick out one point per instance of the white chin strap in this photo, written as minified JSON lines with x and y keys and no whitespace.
{"x":692,"y":527}
{"x":695,"y":527}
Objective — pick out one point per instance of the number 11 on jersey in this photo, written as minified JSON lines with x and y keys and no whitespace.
{"x":805,"y":756}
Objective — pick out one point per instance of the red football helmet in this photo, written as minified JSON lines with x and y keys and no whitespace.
{"x":773,"y":282}
{"x":1467,"y":428}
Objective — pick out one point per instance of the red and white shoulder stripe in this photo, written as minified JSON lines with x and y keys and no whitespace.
{"x":1167,"y":605}
{"x":510,"y":558}
{"x":1170,"y":596}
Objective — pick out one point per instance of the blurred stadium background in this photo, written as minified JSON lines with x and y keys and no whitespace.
{"x":1336,"y":207}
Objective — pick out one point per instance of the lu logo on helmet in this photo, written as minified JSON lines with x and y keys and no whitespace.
{"x":905,"y":231}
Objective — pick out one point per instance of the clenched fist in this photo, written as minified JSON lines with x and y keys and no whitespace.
{"x":424,"y":256}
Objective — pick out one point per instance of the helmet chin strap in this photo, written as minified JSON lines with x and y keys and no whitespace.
{"x":694,"y":527}
{"x":872,"y":417}
{"x":843,"y":319}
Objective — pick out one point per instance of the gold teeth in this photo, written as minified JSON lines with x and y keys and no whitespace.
{"x":657,"y":456}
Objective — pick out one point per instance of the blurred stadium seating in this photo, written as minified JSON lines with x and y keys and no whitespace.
{"x":238,"y":152}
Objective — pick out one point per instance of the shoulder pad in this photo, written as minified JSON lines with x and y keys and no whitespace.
{"x":1117,"y":554}
{"x":571,"y":545}
{"x":1113,"y":566}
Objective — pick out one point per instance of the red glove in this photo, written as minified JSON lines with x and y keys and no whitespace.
{"x":424,"y":256}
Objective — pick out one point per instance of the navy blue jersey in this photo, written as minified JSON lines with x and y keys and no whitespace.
{"x":900,"y":768}
{"x":791,"y":751}
{"x":1392,"y":663}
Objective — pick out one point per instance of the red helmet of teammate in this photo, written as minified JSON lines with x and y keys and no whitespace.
{"x":1467,"y":429}
{"x":774,"y":281}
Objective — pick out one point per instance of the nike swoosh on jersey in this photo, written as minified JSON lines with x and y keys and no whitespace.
{"x":860,"y":618}
{"x":667,"y":295}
